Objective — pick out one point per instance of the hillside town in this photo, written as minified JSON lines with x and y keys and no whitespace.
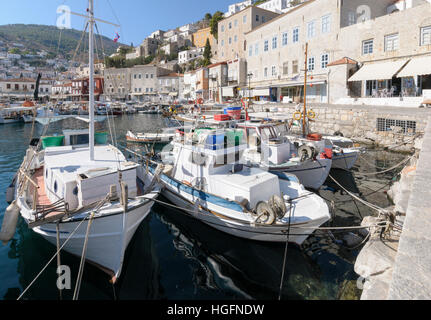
{"x":258,"y":53}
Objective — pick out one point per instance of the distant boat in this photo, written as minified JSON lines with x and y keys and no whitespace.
{"x":159,"y":138}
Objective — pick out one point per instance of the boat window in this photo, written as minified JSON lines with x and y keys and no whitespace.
{"x":79,"y":139}
{"x":75,"y":191}
{"x":55,"y":187}
{"x":46,"y":173}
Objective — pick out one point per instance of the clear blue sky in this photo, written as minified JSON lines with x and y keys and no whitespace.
{"x":138,"y":18}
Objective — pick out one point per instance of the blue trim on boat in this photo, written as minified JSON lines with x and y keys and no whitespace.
{"x":53,"y":231}
{"x":286,"y":169}
{"x":200,"y":194}
{"x":286,"y":176}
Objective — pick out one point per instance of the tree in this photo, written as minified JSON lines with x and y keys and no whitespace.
{"x":207,"y":54}
{"x":218,"y":16}
{"x":208,"y":16}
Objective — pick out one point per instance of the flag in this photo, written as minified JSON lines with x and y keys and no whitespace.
{"x":117,"y":36}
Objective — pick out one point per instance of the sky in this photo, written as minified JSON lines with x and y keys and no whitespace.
{"x":138,"y":18}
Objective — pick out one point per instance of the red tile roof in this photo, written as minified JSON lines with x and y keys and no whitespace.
{"x":341,"y":61}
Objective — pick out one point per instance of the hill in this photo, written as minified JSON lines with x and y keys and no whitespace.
{"x":41,"y":37}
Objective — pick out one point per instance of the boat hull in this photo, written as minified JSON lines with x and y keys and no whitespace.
{"x":345,"y":160}
{"x":311,"y":174}
{"x":215,"y":215}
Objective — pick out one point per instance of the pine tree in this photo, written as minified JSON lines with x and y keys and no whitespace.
{"x":207,"y":54}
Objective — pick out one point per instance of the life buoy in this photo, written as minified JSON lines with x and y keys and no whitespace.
{"x":311,"y":114}
{"x":200,"y":101}
{"x":297,"y":116}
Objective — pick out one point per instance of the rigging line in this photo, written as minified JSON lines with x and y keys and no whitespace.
{"x":387,"y":170}
{"x":53,"y":257}
{"x":80,"y":41}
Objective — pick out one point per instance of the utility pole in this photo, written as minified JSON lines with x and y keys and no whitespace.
{"x":249,"y":98}
{"x":304,"y":115}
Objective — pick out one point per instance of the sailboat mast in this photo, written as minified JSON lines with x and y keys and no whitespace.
{"x":304,"y":115}
{"x":91,"y":79}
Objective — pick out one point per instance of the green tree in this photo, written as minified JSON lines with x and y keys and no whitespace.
{"x":207,"y":54}
{"x":208,"y":16}
{"x":216,"y":18}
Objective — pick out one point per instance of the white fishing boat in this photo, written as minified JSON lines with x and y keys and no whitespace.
{"x":158,"y":138}
{"x":209,"y":183}
{"x":77,"y":188}
{"x":272,"y":151}
{"x":13,"y":114}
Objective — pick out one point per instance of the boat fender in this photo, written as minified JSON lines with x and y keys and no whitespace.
{"x":10,"y":221}
{"x":264,"y":213}
{"x":10,"y":194}
{"x":278,"y":205}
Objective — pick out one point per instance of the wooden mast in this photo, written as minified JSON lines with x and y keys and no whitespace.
{"x":304,"y":115}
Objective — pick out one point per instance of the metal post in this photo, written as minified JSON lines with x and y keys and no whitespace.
{"x":305,"y":92}
{"x":91,"y":84}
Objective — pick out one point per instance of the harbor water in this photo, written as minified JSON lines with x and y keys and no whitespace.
{"x":173,"y":256}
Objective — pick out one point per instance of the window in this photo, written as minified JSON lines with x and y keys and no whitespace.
{"x":250,"y":51}
{"x":244,"y":19}
{"x":367,"y":46}
{"x":134,"y":76}
{"x":426,"y":36}
{"x":265,"y":72}
{"x":256,"y":49}
{"x":310,"y":64}
{"x":263,"y":19}
{"x":257,"y":17}
{"x":222,"y":28}
{"x":326,"y":24}
{"x":295,"y":66}
{"x":274,"y":42}
{"x":311,"y":29}
{"x":235,"y":38}
{"x":351,"y":18}
{"x":230,"y":25}
{"x":325,"y":60}
{"x":222,"y":43}
{"x":295,"y":35}
{"x":230,"y":40}
{"x":236,"y":23}
{"x":391,"y":42}
{"x":8,"y":86}
{"x":274,"y":71}
{"x":284,"y":38}
{"x":140,"y":76}
{"x":285,"y":68}
{"x":146,"y":75}
{"x":266,"y":45}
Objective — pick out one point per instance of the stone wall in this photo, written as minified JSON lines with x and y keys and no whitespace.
{"x":360,"y":122}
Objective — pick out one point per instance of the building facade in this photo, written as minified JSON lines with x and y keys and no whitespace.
{"x":231,"y":31}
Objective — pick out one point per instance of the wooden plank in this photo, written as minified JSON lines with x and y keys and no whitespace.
{"x":49,"y":219}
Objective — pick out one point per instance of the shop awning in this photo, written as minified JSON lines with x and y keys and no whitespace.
{"x":228,"y":92}
{"x":379,"y":70}
{"x":261,"y":92}
{"x":173,"y":94}
{"x":416,"y":67}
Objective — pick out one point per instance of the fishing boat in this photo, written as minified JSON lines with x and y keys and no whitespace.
{"x":204,"y":177}
{"x":270,"y":150}
{"x":13,"y":114}
{"x":79,"y":192}
{"x":157,"y":138}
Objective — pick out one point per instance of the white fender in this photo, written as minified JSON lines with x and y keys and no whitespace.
{"x":10,"y":221}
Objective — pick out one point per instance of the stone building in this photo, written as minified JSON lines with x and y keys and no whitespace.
{"x":144,"y":82}
{"x":231,"y":38}
{"x":276,"y":50}
{"x":117,"y":84}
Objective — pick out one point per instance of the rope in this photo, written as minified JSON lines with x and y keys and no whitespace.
{"x":43,"y":269}
{"x":84,"y":253}
{"x":387,"y":170}
{"x":285,"y":254}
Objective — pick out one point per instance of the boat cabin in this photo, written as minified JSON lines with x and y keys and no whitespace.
{"x":90,"y":181}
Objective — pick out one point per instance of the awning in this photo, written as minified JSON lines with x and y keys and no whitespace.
{"x":379,"y":71}
{"x":228,"y":92}
{"x":173,"y":94}
{"x":417,"y":67}
{"x":260,"y":92}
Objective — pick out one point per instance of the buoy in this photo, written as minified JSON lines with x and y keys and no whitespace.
{"x":265,"y":213}
{"x":10,"y":221}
